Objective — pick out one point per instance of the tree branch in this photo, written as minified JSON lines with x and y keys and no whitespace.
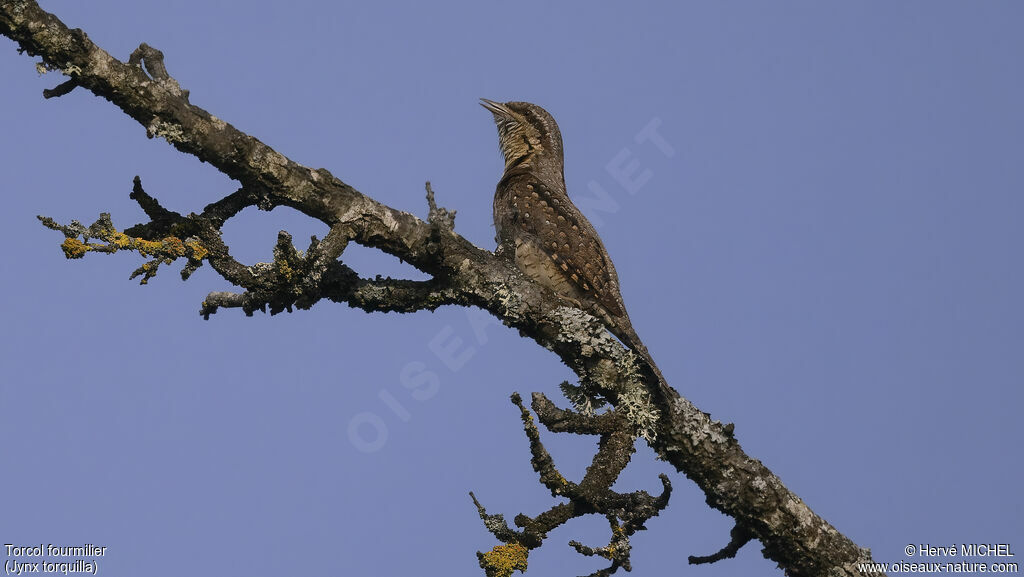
{"x":704,"y":450}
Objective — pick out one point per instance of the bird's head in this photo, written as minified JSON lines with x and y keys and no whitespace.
{"x":525,"y":132}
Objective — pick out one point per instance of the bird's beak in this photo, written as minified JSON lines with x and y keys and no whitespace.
{"x":496,"y":108}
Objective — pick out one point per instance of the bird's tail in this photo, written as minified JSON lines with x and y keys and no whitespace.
{"x":623,"y":330}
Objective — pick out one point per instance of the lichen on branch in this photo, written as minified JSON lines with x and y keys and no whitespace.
{"x":163,"y":251}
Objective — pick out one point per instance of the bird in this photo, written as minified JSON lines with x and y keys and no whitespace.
{"x":538,"y":226}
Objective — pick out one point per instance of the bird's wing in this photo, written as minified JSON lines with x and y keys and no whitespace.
{"x":566,"y":236}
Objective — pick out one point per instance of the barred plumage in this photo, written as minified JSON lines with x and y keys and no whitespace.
{"x":539,"y":226}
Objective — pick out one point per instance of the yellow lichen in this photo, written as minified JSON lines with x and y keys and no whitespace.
{"x":165,"y":250}
{"x":285,"y":271}
{"x":120,"y":240}
{"x":174,"y":246}
{"x":147,"y":247}
{"x":502,"y":560}
{"x":199,"y":251}
{"x":74,"y":248}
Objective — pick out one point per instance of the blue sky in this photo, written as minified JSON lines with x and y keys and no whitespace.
{"x":825,"y":251}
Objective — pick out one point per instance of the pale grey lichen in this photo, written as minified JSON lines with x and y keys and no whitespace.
{"x":698,"y":429}
{"x":583,"y":400}
{"x":261,"y":268}
{"x":508,"y":299}
{"x":627,"y":365}
{"x":640,"y":411}
{"x":759,"y":484}
{"x":577,"y":325}
{"x":169,"y":131}
{"x":623,"y":377}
